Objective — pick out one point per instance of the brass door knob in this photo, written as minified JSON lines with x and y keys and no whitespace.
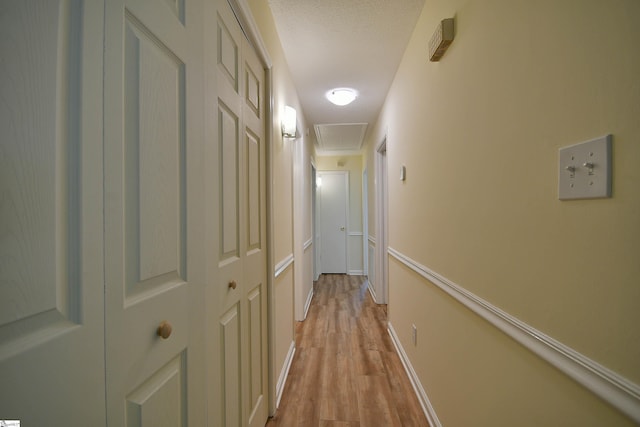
{"x":233,"y":284}
{"x":164,"y":330}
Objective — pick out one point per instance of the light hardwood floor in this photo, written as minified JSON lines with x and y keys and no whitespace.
{"x":346,"y":371}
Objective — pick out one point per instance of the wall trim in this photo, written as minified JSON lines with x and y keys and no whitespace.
{"x":307,"y":244}
{"x":284,"y":373}
{"x":373,"y":293}
{"x":355,"y":273}
{"x":307,"y":304}
{"x":250,"y":28}
{"x":610,"y":386}
{"x":427,"y":408}
{"x":283,"y":265}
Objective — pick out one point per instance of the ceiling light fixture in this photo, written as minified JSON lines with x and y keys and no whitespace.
{"x":342,"y":96}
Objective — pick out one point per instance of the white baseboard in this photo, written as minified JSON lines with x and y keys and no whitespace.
{"x":373,"y":293}
{"x":620,"y":392}
{"x":429,"y":412}
{"x":308,"y":303}
{"x":282,"y":378}
{"x":355,"y":273}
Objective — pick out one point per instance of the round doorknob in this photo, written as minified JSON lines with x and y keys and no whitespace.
{"x":164,"y":330}
{"x":233,"y":284}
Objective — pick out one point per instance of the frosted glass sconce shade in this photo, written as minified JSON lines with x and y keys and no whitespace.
{"x":289,"y":122}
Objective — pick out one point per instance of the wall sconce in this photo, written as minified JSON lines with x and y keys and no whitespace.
{"x":289,"y":122}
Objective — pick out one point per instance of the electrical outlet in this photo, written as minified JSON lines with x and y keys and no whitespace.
{"x":414,"y":334}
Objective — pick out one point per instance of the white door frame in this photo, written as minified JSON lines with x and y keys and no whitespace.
{"x":382,"y":266}
{"x":314,"y":218}
{"x":365,"y":222}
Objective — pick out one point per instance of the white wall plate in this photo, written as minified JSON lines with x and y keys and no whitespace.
{"x":585,"y":170}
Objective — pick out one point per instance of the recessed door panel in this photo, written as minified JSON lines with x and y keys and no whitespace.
{"x":38,"y":173}
{"x":154,"y":153}
{"x":177,"y":7}
{"x":160,"y":400}
{"x":256,"y":350}
{"x":228,"y":54}
{"x":231,"y":362}
{"x":253,"y":89}
{"x":229,"y":187}
{"x":51,"y":294}
{"x":254,"y":185}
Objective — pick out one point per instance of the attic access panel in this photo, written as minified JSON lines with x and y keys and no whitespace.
{"x":341,"y":136}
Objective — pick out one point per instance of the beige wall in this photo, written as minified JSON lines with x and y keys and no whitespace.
{"x":479,"y":134}
{"x":353,"y":165}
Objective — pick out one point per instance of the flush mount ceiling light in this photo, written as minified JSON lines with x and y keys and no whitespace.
{"x":342,"y":96}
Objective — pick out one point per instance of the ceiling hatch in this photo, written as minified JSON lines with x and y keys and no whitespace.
{"x":340,"y":137}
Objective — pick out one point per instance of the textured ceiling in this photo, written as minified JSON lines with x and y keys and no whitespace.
{"x":344,"y":43}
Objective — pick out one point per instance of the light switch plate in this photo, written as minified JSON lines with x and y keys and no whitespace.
{"x":585,"y":170}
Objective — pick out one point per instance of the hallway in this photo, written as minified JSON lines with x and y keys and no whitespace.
{"x":346,"y":371}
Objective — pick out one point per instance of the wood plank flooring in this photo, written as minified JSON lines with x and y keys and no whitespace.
{"x":346,"y":371}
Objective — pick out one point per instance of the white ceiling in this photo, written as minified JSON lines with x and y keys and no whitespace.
{"x":343,"y":43}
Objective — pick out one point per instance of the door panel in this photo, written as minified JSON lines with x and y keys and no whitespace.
{"x":231,"y":363}
{"x":256,"y":349}
{"x":256,"y":257}
{"x":149,"y":193}
{"x":153,"y":402}
{"x":228,"y":123}
{"x":154,"y":163}
{"x":242,"y":226}
{"x":51,"y":332}
{"x":254,"y":187}
{"x":333,"y":221}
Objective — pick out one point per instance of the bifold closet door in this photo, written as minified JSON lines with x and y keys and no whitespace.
{"x":241,"y":255}
{"x":51,"y":260}
{"x":153,"y":258}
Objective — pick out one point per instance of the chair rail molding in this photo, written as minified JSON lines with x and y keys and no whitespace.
{"x":610,"y":386}
{"x":307,"y":244}
{"x":283,"y":265}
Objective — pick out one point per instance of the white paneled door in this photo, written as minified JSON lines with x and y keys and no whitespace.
{"x":51,"y":263}
{"x":239,"y":115}
{"x":153,"y":260}
{"x":334,"y":201}
{"x":132,"y":215}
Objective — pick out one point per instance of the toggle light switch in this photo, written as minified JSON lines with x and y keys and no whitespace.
{"x":585,"y":170}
